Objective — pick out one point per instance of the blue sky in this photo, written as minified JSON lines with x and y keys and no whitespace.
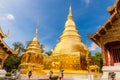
{"x":21,"y":16}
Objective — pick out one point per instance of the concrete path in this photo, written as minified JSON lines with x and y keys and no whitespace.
{"x":65,"y":78}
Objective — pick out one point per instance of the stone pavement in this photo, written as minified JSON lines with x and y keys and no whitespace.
{"x":65,"y":78}
{"x":75,"y":78}
{"x":72,"y":77}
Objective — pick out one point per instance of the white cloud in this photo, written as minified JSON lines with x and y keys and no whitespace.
{"x":7,"y":17}
{"x":10,"y":17}
{"x":93,"y":47}
{"x":87,"y":1}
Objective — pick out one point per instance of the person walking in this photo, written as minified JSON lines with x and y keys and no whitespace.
{"x":61,"y":75}
{"x":29,"y":74}
{"x":51,"y":74}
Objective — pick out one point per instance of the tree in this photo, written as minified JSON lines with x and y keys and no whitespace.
{"x":48,"y":53}
{"x":27,"y":43}
{"x":42,"y":46}
{"x":19,"y":47}
{"x":97,"y":60}
{"x":12,"y":62}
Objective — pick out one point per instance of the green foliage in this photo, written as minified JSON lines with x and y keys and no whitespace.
{"x":12,"y":62}
{"x":18,"y":47}
{"x":8,"y":74}
{"x":97,"y":60}
{"x":42,"y":46}
{"x":48,"y":53}
{"x":2,"y":78}
{"x":28,"y":43}
{"x":13,"y":71}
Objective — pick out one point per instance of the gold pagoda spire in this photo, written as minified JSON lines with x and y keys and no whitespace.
{"x":34,"y":45}
{"x":70,"y":27}
{"x":70,"y":12}
{"x":70,"y":41}
{"x":36,"y":34}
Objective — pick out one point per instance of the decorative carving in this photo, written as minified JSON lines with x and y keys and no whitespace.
{"x":8,"y":32}
{"x":112,"y":34}
{"x":118,"y":9}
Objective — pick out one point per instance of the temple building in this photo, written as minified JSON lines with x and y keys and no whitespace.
{"x":5,"y":50}
{"x":108,"y":39}
{"x":32,"y":59}
{"x":69,"y":53}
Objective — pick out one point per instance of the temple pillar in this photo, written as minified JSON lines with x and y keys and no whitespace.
{"x":109,"y":58}
{"x":3,"y":60}
{"x":104,"y":56}
{"x":112,"y":58}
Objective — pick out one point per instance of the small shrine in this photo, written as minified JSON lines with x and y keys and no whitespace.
{"x":32,"y":59}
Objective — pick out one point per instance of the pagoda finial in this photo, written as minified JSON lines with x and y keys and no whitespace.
{"x":37,"y":28}
{"x":70,"y":12}
{"x":36,"y":34}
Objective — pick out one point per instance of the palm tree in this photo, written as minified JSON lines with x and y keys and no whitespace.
{"x":19,"y":47}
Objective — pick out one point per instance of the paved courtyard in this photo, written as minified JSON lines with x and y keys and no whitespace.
{"x":77,"y":77}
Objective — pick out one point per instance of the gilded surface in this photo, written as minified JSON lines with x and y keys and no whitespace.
{"x":4,"y":49}
{"x":32,"y":59}
{"x":74,"y":61}
{"x":3,"y":56}
{"x":70,"y":52}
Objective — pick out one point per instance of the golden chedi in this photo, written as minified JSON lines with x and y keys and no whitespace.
{"x":32,"y":59}
{"x":70,"y":52}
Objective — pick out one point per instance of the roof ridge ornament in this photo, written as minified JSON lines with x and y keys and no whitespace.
{"x":6,"y":35}
{"x":118,"y":9}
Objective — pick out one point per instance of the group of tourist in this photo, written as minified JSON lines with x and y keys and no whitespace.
{"x":51,"y":75}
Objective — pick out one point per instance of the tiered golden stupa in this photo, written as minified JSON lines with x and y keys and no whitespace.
{"x":32,"y":59}
{"x":70,"y":52}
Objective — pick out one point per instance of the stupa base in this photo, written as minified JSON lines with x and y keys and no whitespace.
{"x":35,"y":68}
